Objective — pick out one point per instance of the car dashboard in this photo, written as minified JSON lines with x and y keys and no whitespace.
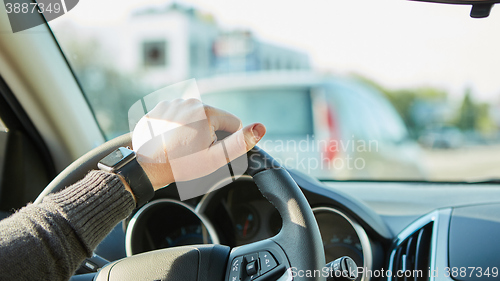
{"x":447,"y":243}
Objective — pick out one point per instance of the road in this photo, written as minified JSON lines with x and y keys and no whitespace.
{"x":470,"y":164}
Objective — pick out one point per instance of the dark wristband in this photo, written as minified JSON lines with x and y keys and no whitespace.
{"x":124,"y":163}
{"x":138,"y":181}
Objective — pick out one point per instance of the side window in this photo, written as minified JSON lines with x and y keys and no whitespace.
{"x":389,"y":124}
{"x":26,"y":166}
{"x":367,"y":114}
{"x":354,"y":113}
{"x":3,"y":150}
{"x":4,"y":131}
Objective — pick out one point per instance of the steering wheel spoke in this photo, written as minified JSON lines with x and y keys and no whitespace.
{"x":263,"y":260}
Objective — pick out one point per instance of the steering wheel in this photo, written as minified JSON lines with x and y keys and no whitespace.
{"x":295,"y":251}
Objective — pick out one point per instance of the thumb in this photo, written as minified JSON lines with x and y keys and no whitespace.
{"x":252,"y":134}
{"x":243,"y":140}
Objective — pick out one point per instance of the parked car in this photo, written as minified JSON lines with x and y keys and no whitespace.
{"x":328,"y":127}
{"x":442,"y":137}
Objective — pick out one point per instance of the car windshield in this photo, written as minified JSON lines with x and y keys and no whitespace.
{"x":349,"y":90}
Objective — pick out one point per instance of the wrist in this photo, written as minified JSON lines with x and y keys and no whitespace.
{"x":127,"y":187}
{"x":159,"y":174}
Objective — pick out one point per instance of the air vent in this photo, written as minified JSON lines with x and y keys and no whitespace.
{"x":410,"y":261}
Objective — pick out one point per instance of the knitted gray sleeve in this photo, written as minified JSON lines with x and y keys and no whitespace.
{"x":48,"y":241}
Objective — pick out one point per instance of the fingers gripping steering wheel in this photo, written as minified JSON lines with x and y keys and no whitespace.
{"x":297,"y":248}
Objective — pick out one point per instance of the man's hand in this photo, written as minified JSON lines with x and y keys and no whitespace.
{"x":179,"y":128}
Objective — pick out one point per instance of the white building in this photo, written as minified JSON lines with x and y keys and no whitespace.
{"x":166,"y":46}
{"x":240,"y":51}
{"x":169,"y":45}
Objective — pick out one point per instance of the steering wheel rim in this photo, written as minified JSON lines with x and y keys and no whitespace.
{"x":81,"y":166}
{"x":298,"y":245}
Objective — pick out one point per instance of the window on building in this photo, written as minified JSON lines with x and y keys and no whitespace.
{"x":155,"y":53}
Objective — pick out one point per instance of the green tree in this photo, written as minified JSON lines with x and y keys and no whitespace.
{"x":473,"y":116}
{"x":403,"y":101}
{"x":467,"y":117}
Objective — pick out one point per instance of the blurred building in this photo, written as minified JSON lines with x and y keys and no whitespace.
{"x":176,"y":43}
{"x":169,"y":45}
{"x":240,"y":51}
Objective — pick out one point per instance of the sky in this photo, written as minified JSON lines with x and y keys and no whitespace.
{"x":397,"y":43}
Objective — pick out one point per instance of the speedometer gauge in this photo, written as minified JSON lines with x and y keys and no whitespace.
{"x":185,"y":235}
{"x":342,"y":237}
{"x":167,"y":223}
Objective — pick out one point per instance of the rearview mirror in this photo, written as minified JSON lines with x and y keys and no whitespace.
{"x":480,"y":8}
